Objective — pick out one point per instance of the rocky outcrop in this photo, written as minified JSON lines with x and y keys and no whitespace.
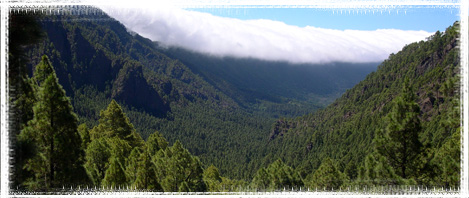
{"x":132,"y":89}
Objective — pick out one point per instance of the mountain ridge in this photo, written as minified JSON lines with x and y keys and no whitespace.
{"x":345,"y":130}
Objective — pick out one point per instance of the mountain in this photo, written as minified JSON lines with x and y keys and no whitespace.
{"x":222,"y":116}
{"x":228,"y":118}
{"x":255,"y":83}
{"x":346,"y":130}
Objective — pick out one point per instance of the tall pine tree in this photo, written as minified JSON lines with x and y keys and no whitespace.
{"x":400,"y":143}
{"x":57,"y":158}
{"x":114,"y":122}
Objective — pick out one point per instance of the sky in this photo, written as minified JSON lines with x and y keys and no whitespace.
{"x":429,"y":19}
{"x":295,"y":35}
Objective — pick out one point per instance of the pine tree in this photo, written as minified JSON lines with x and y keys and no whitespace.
{"x":97,"y":160}
{"x":377,"y":172}
{"x":212,"y":178}
{"x":85,"y":135}
{"x":24,"y":30}
{"x":114,"y":122}
{"x":400,"y":142}
{"x":132,"y":164}
{"x":24,"y":146}
{"x":176,"y":168}
{"x":142,"y":167}
{"x":43,"y":70}
{"x":115,"y":173}
{"x":276,"y":176}
{"x":448,"y":161}
{"x":112,"y":142}
{"x":327,"y":176}
{"x":146,"y":173}
{"x":156,"y":142}
{"x":53,"y":131}
{"x":261,"y":180}
{"x":351,"y":170}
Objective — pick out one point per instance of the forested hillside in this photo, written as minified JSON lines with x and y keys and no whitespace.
{"x":51,"y":149}
{"x":96,"y":105}
{"x":96,"y":60}
{"x":220,"y":109}
{"x":279,"y":88}
{"x":354,"y":126}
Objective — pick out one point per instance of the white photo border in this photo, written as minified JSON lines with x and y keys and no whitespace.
{"x":338,"y":5}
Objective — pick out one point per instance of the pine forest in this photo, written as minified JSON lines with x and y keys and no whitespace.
{"x":95,"y":105}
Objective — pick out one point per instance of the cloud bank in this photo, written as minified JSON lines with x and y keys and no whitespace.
{"x":261,"y":39}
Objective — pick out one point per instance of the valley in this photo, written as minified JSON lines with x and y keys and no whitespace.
{"x":170,"y":119}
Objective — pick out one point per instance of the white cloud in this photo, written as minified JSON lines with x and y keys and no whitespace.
{"x":262,"y":39}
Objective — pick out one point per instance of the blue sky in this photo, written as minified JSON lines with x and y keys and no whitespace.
{"x":428,"y":19}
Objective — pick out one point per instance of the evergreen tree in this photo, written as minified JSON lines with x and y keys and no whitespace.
{"x":156,"y":142}
{"x":97,"y":160}
{"x":24,"y":30}
{"x":114,"y":122}
{"x":448,"y":161}
{"x":143,"y":167}
{"x":85,"y":136}
{"x":24,"y":146}
{"x":351,"y":170}
{"x":132,"y":164}
{"x":212,"y":178}
{"x":178,"y":170}
{"x":115,"y":173}
{"x":43,"y":70}
{"x":377,"y":172}
{"x":112,"y":142}
{"x":53,"y":131}
{"x":276,"y":176}
{"x":146,"y":173}
{"x":327,"y":176}
{"x":261,"y":180}
{"x":400,"y":142}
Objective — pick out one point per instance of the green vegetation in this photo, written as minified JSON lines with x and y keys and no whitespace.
{"x":387,"y":130}
{"x":111,"y":154}
{"x":400,"y":144}
{"x":326,"y":177}
{"x":276,"y":176}
{"x":97,"y":60}
{"x":52,"y":135}
{"x":220,"y":114}
{"x":273,"y":87}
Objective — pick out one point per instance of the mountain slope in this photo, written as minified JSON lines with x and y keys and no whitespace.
{"x":256,"y":83}
{"x":345,"y":130}
{"x":97,"y":60}
{"x":221,"y":115}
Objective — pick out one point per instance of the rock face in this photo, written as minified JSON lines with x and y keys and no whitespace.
{"x":279,"y":129}
{"x":80,"y":60}
{"x":131,"y":88}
